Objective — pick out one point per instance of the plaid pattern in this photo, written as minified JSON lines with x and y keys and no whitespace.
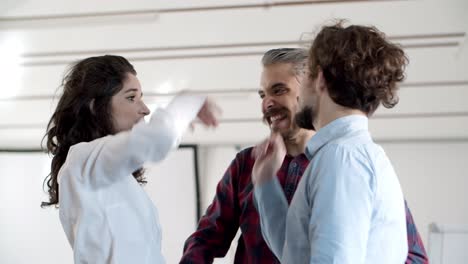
{"x":232,"y":208}
{"x":416,"y":253}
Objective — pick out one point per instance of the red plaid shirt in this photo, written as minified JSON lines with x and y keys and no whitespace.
{"x":233,"y":208}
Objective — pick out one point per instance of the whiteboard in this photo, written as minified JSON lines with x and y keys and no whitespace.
{"x":30,"y":234}
{"x":448,"y":244}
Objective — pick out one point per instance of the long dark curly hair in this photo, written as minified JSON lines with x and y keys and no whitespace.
{"x":83,"y":111}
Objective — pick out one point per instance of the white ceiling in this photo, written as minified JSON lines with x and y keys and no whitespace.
{"x":215,"y":47}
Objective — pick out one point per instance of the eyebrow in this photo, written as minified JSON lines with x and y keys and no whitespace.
{"x":276,"y":85}
{"x":133,"y":90}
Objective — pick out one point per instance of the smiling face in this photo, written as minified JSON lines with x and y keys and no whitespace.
{"x":127,"y":106}
{"x":279,"y":92}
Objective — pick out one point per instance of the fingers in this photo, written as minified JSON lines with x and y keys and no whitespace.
{"x":209,"y":113}
{"x":216,"y":111}
{"x":260,"y":149}
{"x":273,"y":142}
{"x":269,"y":156}
{"x":277,"y":140}
{"x":266,"y":148}
{"x":207,"y":120}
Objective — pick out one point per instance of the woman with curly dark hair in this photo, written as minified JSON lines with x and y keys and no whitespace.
{"x":98,"y":140}
{"x":348,"y":206}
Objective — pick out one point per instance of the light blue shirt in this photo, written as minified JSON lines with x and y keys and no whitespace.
{"x":348,"y":207}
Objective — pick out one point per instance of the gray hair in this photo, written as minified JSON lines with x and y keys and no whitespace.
{"x":296,"y":56}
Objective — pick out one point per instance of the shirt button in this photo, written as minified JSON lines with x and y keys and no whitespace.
{"x":294,"y":164}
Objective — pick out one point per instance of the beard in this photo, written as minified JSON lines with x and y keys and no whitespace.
{"x":305,"y":118}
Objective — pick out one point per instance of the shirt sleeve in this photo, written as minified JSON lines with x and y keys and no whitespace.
{"x":272,"y":208}
{"x":416,"y":251}
{"x":109,"y":158}
{"x":341,"y":196}
{"x":218,"y":227}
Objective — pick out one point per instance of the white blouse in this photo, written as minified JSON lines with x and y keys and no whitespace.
{"x":106,"y":215}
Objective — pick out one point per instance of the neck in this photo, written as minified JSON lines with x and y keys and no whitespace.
{"x":296,"y":144}
{"x":331,"y":112}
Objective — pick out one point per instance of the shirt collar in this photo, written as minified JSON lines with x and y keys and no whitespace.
{"x":335,"y":129}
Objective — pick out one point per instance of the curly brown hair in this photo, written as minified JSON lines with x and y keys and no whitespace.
{"x":94,"y":79}
{"x":360,"y":66}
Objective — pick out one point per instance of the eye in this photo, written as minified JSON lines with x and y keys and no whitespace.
{"x":279,"y":91}
{"x":261,"y":95}
{"x":131,"y":98}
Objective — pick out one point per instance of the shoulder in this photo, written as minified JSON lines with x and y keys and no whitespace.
{"x":339,"y":151}
{"x":244,"y":159}
{"x":240,"y":167}
{"x":85,"y":152}
{"x":356,"y":148}
{"x":345,"y":157}
{"x":245,"y":153}
{"x":84,"y":149}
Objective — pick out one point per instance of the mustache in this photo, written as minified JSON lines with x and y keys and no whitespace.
{"x":272,"y":112}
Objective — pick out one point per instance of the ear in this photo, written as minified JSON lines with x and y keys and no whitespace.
{"x":321,"y":83}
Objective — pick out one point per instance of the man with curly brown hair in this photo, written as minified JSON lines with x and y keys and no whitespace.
{"x":348,"y":206}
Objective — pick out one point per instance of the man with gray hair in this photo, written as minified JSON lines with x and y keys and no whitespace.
{"x":232,"y":207}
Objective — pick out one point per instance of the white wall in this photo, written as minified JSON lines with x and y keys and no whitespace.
{"x":218,"y":51}
{"x":434,"y":178}
{"x":171,"y":187}
{"x":29,"y":234}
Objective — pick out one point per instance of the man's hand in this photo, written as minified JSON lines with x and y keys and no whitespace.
{"x":269,"y":156}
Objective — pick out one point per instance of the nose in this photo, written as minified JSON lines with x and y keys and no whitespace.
{"x":144,"y":109}
{"x":268,"y":102}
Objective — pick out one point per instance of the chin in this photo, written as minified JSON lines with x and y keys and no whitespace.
{"x":282,"y":130}
{"x":279,"y":129}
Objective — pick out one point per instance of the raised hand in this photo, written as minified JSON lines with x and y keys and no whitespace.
{"x":269,"y":156}
{"x":209,"y":113}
